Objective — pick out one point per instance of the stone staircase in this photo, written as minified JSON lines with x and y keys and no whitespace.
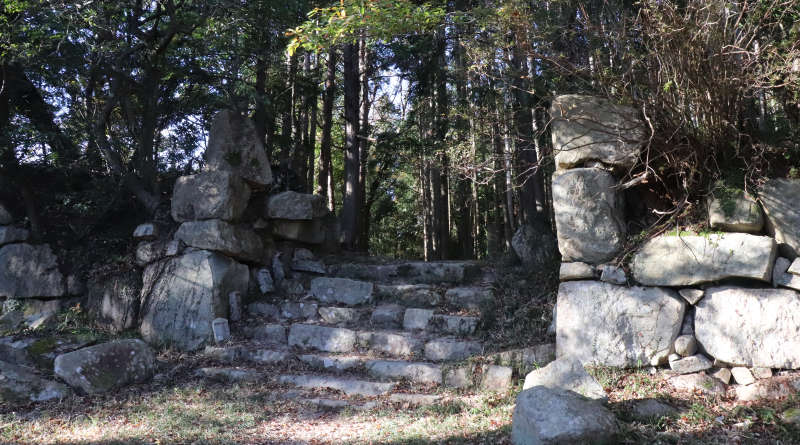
{"x":365,"y":333}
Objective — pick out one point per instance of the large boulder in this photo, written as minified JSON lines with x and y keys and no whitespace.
{"x":555,"y":416}
{"x":688,"y":260}
{"x":567,"y":373}
{"x":781,"y":200}
{"x":105,"y":367}
{"x":11,"y":234}
{"x":209,"y":195}
{"x":606,"y":324}
{"x":589,"y":215}
{"x":113,"y":301}
{"x":234,"y":146}
{"x":298,"y":230}
{"x":220,"y":236}
{"x":18,"y":386}
{"x":592,"y":129}
{"x":534,"y":243}
{"x":293,"y":205}
{"x":182,"y":296}
{"x":750,"y":327}
{"x":28,"y":271}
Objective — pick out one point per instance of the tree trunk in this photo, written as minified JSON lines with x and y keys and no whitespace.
{"x":352,"y":162}
{"x":325,"y":172}
{"x":312,"y":130}
{"x":260,"y":115}
{"x":363,"y":146}
{"x":288,"y":111}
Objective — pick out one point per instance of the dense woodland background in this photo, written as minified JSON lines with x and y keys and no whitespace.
{"x":425,"y":124}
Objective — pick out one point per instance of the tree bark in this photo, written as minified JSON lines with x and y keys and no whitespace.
{"x":325,"y":172}
{"x":363,"y":147}
{"x":351,"y":209}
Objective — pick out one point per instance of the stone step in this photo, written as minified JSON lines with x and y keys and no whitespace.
{"x":409,"y":273}
{"x":332,"y":364}
{"x":395,"y":345}
{"x":322,"y":338}
{"x":349,"y":387}
{"x":392,"y":370}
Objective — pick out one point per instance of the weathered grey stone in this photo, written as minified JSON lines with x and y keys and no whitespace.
{"x":307,"y":266}
{"x":689,"y":260}
{"x":770,"y":389}
{"x":183,"y":295}
{"x":688,"y":365}
{"x":722,"y":374}
{"x":794,"y":267}
{"x":394,"y":345}
{"x":496,"y":378}
{"x":321,"y":337}
{"x":237,"y":242}
{"x":388,"y":315}
{"x":411,"y":371}
{"x":737,"y":213}
{"x":174,"y":248}
{"x":415,"y":296}
{"x":209,"y":195}
{"x":555,"y":416}
{"x":44,"y":350}
{"x":443,"y":349}
{"x":267,"y":357}
{"x":692,"y":295}
{"x":341,"y":290}
{"x":780,"y":199}
{"x":417,"y":318}
{"x":234,"y":146}
{"x":278,"y":274}
{"x":149,"y":252}
{"x":146,"y":232}
{"x":301,"y":231}
{"x":265,"y":309}
{"x":11,"y":234}
{"x":261,"y":279}
{"x":41,"y":320}
{"x":474,"y":298}
{"x":789,"y":280}
{"x":575,"y":271}
{"x":589,"y":215}
{"x":460,"y":377}
{"x":293,"y":205}
{"x":6,"y":217}
{"x":687,"y":326}
{"x":11,"y":320}
{"x":535,"y":243}
{"x":228,"y":374}
{"x":20,"y":262}
{"x":453,"y":325}
{"x":685,"y":345}
{"x":19,"y":386}
{"x":348,"y":386}
{"x":742,"y":375}
{"x":224,"y":354}
{"x":567,"y":373}
{"x":652,"y":408}
{"x":107,"y":366}
{"x":365,"y":272}
{"x":614,"y":275}
{"x":221,"y":330}
{"x":600,"y":323}
{"x":750,"y":327}
{"x":593,"y":129}
{"x":267,"y":333}
{"x":301,"y":253}
{"x":331,"y":364}
{"x":527,"y":359}
{"x":235,"y":306}
{"x":781,"y":267}
{"x":698,"y":382}
{"x":339,"y":315}
{"x":113,"y":301}
{"x":15,"y":355}
{"x":761,"y":373}
{"x":294,"y":310}
{"x":290,"y":287}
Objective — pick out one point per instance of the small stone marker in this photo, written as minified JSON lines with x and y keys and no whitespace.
{"x":235,"y":302}
{"x":723,"y":375}
{"x":742,"y":375}
{"x":221,"y":330}
{"x":614,"y":275}
{"x":686,"y":345}
{"x":277,"y":268}
{"x":692,"y":295}
{"x":146,"y":232}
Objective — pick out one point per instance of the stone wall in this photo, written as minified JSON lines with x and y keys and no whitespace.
{"x":690,"y":301}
